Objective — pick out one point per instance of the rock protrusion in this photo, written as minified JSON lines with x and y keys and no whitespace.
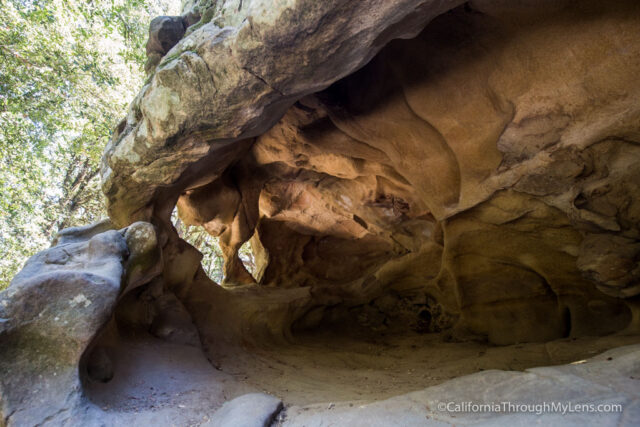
{"x":164,"y":33}
{"x":53,"y":310}
{"x":249,"y":410}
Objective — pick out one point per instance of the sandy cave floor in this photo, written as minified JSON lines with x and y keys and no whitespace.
{"x":323,"y":367}
{"x":153,"y":375}
{"x":174,"y":381}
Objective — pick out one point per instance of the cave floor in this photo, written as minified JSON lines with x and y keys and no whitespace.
{"x":160,"y":382}
{"x":325,"y":367}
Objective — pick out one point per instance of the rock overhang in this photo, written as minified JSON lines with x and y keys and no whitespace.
{"x":472,"y":177}
{"x":453,"y":166}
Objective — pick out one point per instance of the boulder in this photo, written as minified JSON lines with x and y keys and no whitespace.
{"x":51,"y":312}
{"x":164,"y":33}
{"x":249,"y":410}
{"x":54,"y":309}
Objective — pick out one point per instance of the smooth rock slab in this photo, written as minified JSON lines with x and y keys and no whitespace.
{"x":249,"y":410}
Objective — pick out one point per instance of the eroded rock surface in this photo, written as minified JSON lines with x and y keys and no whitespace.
{"x":481,"y":177}
{"x":50,"y":313}
{"x":232,"y":78}
{"x":55,"y":308}
{"x":401,"y":168}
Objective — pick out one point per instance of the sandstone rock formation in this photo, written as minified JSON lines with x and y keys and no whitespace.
{"x":50,"y":313}
{"x":400,"y":168}
{"x":484,"y":171}
{"x":164,"y":33}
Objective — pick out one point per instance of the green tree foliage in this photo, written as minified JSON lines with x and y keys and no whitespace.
{"x":209,"y":246}
{"x":68,"y":68}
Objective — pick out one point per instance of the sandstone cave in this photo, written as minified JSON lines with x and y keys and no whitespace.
{"x":443,"y":203}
